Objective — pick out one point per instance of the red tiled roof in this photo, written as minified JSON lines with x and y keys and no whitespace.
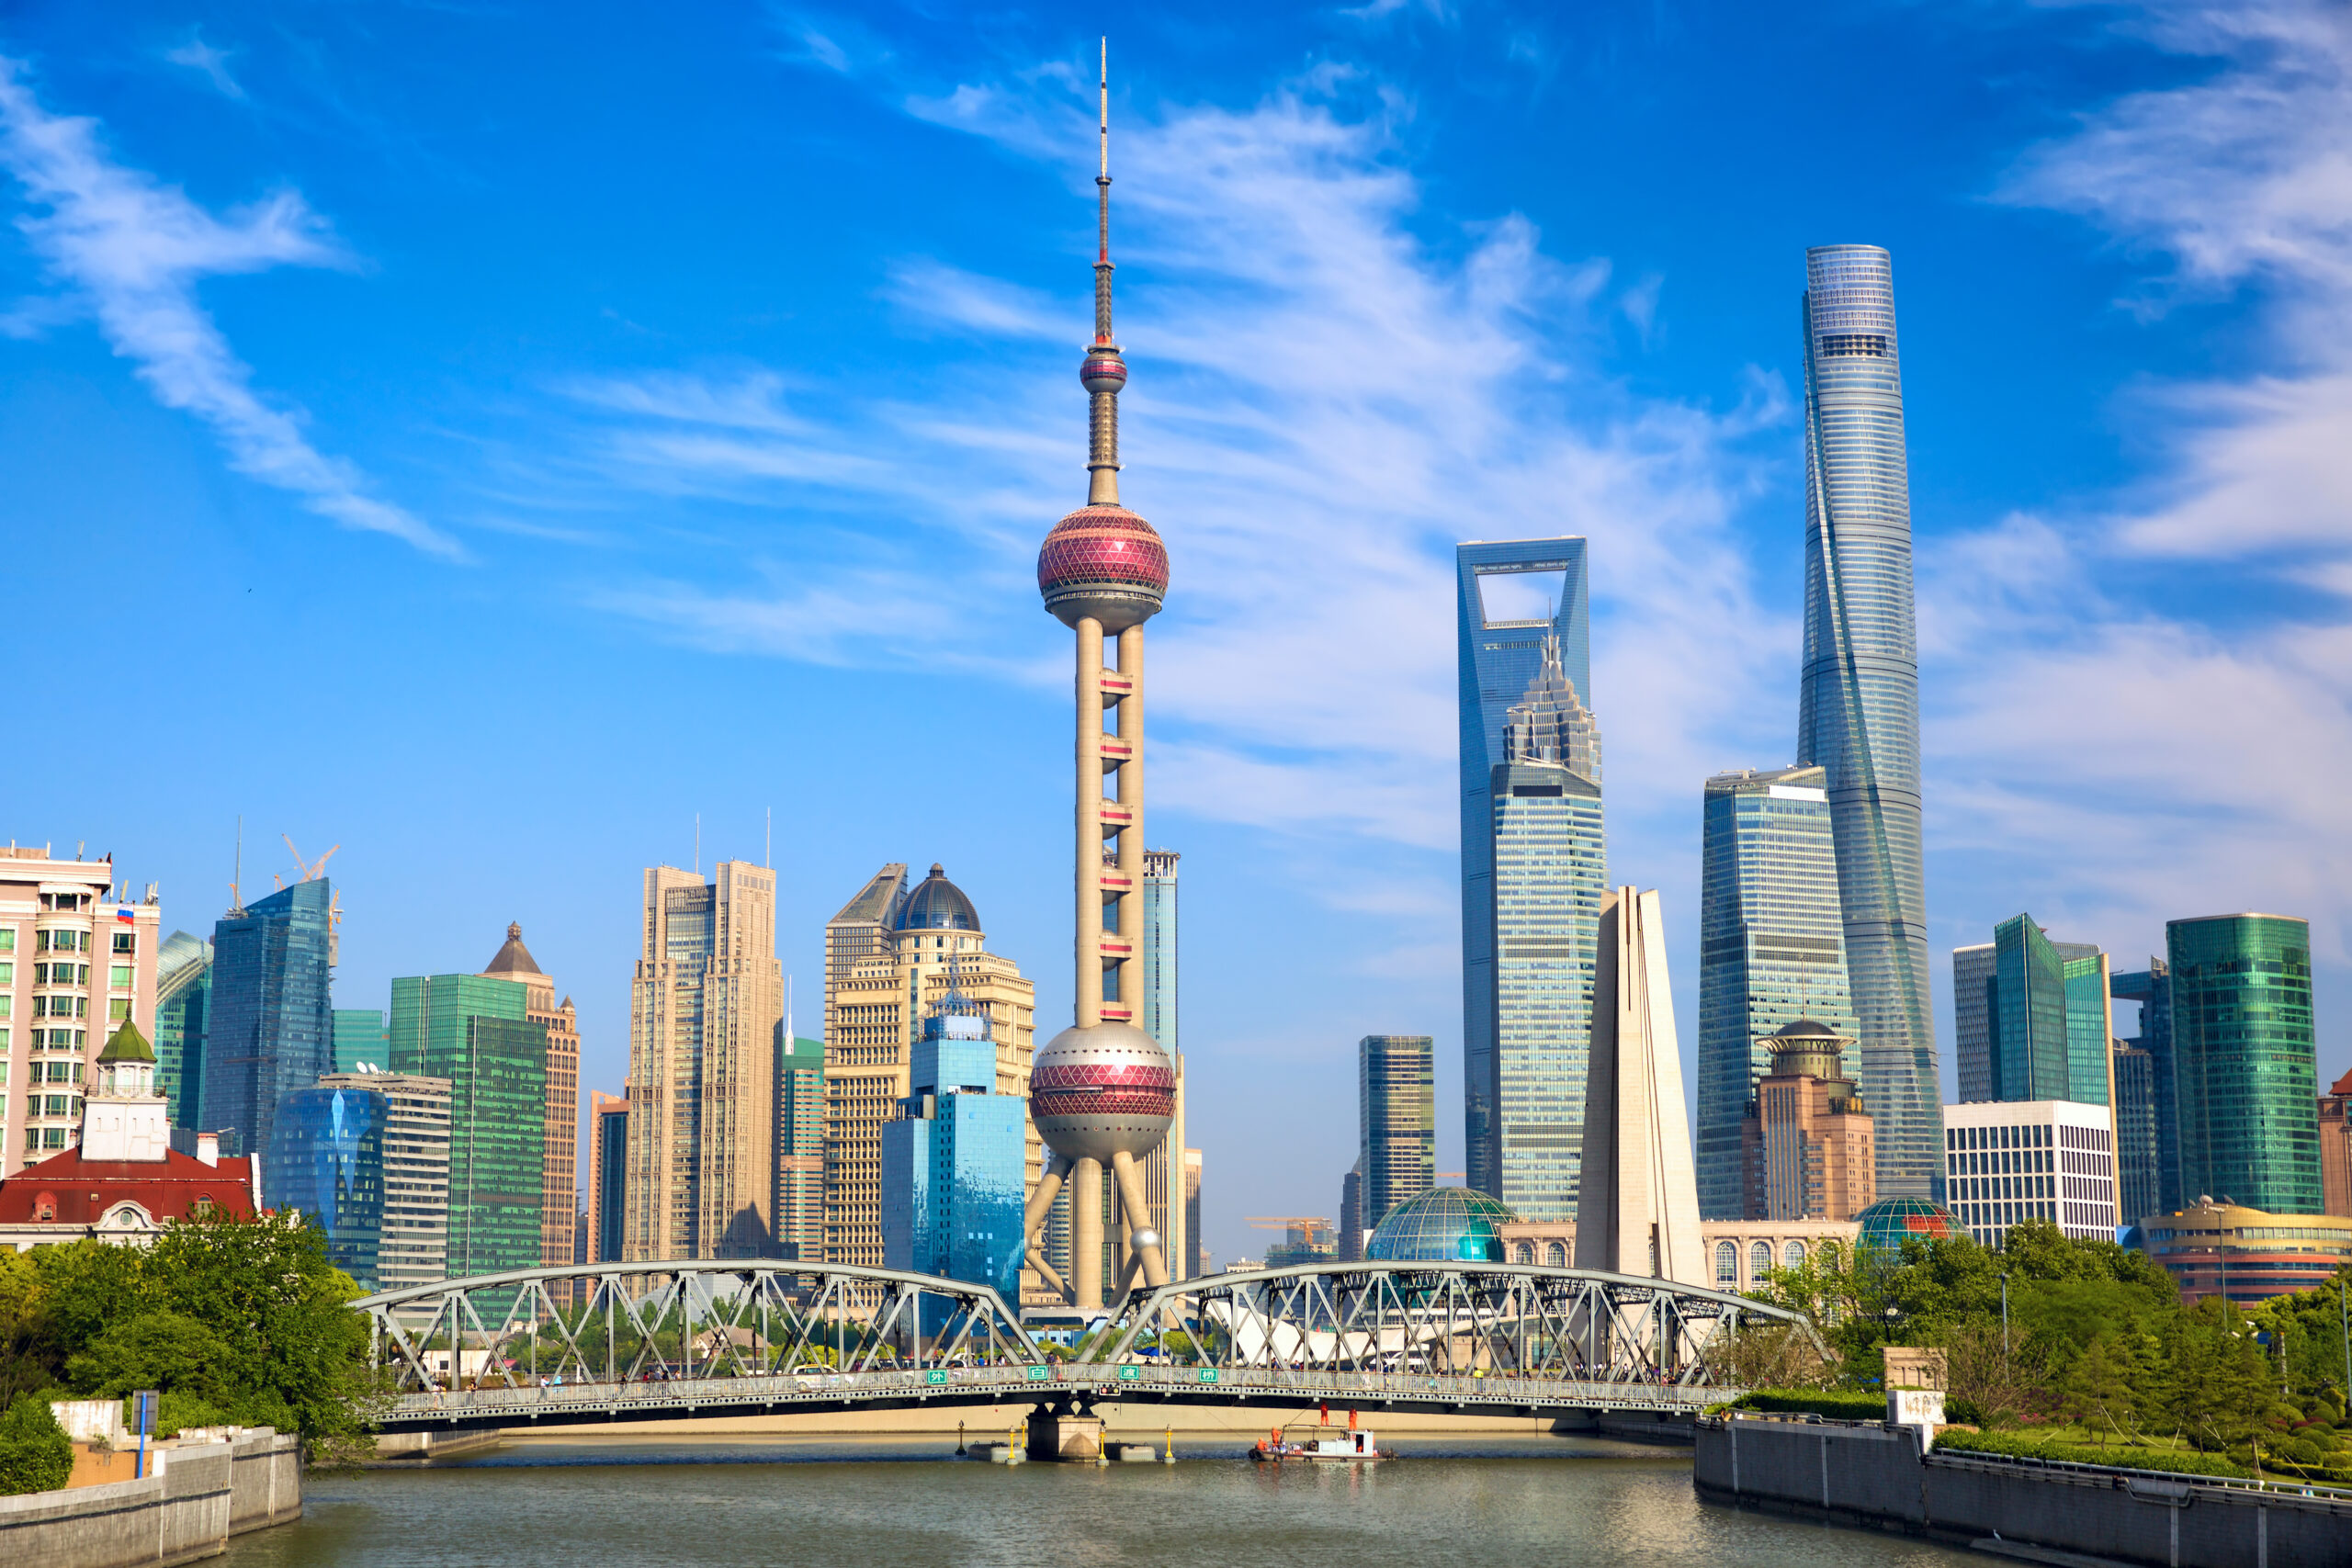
{"x":80,"y":1192}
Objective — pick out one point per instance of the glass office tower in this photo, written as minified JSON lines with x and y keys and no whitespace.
{"x":269,"y":1024}
{"x":182,"y":994}
{"x":954,"y":1161}
{"x":1396,"y":1118}
{"x":471,"y":1030}
{"x":326,"y":1159}
{"x":2151,"y":988}
{"x":1520,"y":605}
{"x":2135,"y":1136}
{"x":1549,"y":867}
{"x":1771,"y":951}
{"x":1857,"y":714}
{"x":2245,"y":1064}
{"x":361,"y":1037}
{"x":2031,"y":1018}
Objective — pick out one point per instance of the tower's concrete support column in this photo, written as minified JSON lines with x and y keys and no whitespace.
{"x":1138,"y":1217}
{"x":1065,"y":1435}
{"x":1085,"y":1234}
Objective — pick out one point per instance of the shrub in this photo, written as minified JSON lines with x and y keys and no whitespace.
{"x":1815,"y":1401}
{"x":2011,"y":1445}
{"x":35,"y":1455}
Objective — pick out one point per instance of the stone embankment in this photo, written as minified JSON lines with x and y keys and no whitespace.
{"x":1872,"y":1476}
{"x":195,"y":1497}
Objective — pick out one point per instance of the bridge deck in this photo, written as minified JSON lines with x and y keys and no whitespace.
{"x":588,"y":1404}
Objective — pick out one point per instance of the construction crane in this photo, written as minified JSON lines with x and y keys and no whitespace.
{"x":1304,"y":1230}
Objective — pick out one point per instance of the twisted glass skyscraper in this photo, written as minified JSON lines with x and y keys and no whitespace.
{"x":1858,"y":714}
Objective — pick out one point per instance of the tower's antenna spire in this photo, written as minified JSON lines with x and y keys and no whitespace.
{"x":1105,"y":371}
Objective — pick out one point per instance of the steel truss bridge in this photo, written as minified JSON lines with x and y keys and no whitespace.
{"x":621,"y":1342}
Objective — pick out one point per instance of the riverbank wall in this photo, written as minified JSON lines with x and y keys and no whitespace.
{"x":196,"y":1496}
{"x":1875,"y":1477}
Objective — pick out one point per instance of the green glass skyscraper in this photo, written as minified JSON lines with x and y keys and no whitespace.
{"x":2031,"y":1018}
{"x":2244,"y":1061}
{"x":1396,"y":1116}
{"x":183,"y":994}
{"x":472,"y":1031}
{"x":1858,"y":714}
{"x":1771,"y":951}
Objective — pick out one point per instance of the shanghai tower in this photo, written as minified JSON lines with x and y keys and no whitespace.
{"x":1858,"y":714}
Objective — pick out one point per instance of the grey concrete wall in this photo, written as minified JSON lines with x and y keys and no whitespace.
{"x":187,"y":1510}
{"x":1873,"y":1477}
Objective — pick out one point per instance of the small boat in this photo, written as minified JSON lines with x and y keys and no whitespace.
{"x":1323,"y":1442}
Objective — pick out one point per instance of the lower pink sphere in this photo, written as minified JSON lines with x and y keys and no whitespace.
{"x":1101,"y":1091}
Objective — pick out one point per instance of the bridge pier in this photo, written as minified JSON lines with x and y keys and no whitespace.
{"x":1066,"y":1434}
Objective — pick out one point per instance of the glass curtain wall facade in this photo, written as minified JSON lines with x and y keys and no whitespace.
{"x":326,"y":1159}
{"x":361,"y":1038}
{"x":1163,"y":1167}
{"x":1396,"y":1110}
{"x":1972,"y":1019}
{"x":1858,"y":714}
{"x":1550,"y":873}
{"x":2151,"y":988}
{"x":2247,"y":1069}
{"x":610,"y":1152}
{"x":2090,"y":1027}
{"x":800,"y":1202}
{"x":1771,"y":951}
{"x":954,"y":1161}
{"x":182,"y":994}
{"x":2135,"y":1136}
{"x":1500,"y":653}
{"x":269,"y":1024}
{"x":471,"y":1031}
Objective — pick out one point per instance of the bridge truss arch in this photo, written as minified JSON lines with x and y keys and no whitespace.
{"x":608,"y":1324}
{"x":1528,"y":1322}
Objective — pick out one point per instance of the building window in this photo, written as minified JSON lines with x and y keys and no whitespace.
{"x":7,"y":938}
{"x":126,"y":942}
{"x":119,"y":1009}
{"x":1792,"y":1255}
{"x":1525,"y":1252}
{"x":119,"y":977}
{"x":1556,"y":1256}
{"x":1759,"y":1257}
{"x":1727,"y":1263}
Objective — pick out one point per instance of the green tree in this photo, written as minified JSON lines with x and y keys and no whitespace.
{"x":2099,"y":1387}
{"x":29,"y":1359}
{"x":34,"y":1453}
{"x":164,"y":1350}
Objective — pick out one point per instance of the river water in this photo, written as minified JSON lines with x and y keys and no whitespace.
{"x":897,"y":1503}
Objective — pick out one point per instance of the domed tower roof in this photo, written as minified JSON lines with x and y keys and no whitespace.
{"x":128,"y":1044}
{"x":1804,"y":1029}
{"x":1445,"y":1224}
{"x":938,"y":904}
{"x":514,"y":959}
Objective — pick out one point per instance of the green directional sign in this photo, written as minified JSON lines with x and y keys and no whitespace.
{"x":936,"y":1374}
{"x":1206,"y":1374}
{"x":1039,"y":1374}
{"x":1130,"y":1373}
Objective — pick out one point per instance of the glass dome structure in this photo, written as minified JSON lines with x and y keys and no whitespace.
{"x":1887,"y":1223}
{"x":1445,"y":1224}
{"x":938,"y":904}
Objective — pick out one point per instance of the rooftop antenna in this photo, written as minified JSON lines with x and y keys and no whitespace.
{"x":236,"y":899}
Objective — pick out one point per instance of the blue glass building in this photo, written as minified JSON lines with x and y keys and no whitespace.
{"x":954,"y":1163}
{"x":2151,"y":988}
{"x":326,"y":1159}
{"x":2030,"y":1018}
{"x":1857,"y":716}
{"x":361,"y":1036}
{"x":1771,"y":951}
{"x":183,"y":998}
{"x":269,"y":1025}
{"x":1534,"y":865}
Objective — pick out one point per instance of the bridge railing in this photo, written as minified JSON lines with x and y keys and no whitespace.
{"x":686,"y":1320}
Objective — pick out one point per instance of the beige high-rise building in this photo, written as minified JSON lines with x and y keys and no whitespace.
{"x":1806,"y":1149}
{"x":560,"y":1180}
{"x":702,"y":1010}
{"x":889,"y":956}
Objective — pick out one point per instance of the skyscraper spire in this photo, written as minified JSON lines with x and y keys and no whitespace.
{"x":1105,"y":371}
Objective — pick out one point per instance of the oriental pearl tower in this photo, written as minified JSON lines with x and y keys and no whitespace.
{"x":1102,"y":1092}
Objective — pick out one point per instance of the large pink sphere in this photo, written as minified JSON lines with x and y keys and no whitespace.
{"x":1102,"y":1091}
{"x":1106,"y":562}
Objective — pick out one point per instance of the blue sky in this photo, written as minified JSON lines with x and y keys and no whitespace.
{"x":487,"y":438}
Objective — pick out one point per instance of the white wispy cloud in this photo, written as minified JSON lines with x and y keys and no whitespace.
{"x":212,"y":63}
{"x":2116,"y":764}
{"x":132,"y":251}
{"x":1321,"y":407}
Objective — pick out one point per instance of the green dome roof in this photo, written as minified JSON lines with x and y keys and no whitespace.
{"x":1885,"y":1224}
{"x":128,"y":1046}
{"x":1445,"y":1224}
